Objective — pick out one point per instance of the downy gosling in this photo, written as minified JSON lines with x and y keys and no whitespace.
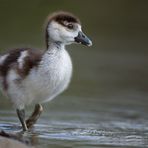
{"x":29,"y":76}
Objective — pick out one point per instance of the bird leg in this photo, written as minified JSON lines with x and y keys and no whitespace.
{"x":21,"y":116}
{"x":34,"y":116}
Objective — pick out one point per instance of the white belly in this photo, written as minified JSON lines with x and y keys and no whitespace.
{"x":44,"y":82}
{"x":52,"y":77}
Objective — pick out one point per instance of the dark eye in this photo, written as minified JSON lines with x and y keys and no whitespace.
{"x":70,"y":26}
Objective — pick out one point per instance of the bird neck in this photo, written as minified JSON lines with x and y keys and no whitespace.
{"x":55,"y":46}
{"x":50,"y":44}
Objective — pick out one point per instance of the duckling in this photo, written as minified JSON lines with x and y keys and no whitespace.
{"x":30,"y":76}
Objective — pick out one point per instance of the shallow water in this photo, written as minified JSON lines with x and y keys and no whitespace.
{"x":105,"y":126}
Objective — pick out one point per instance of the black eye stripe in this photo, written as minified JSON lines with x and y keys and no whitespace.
{"x":70,"y":26}
{"x":66,"y":24}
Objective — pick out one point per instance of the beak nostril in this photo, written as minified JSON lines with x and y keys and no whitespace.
{"x":83,"y":39}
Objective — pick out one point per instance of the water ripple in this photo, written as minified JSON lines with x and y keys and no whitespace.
{"x":107,"y":133}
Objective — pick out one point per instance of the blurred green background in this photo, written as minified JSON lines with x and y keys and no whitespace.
{"x":110,"y":78}
{"x":117,"y":61}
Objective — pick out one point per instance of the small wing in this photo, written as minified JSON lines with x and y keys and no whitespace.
{"x":21,"y":60}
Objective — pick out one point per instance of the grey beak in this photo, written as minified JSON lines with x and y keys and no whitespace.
{"x":83,"y":39}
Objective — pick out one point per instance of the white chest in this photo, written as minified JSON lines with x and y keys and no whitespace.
{"x":51,"y":78}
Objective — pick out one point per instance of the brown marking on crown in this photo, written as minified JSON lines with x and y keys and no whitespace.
{"x":60,"y":17}
{"x":31,"y":60}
